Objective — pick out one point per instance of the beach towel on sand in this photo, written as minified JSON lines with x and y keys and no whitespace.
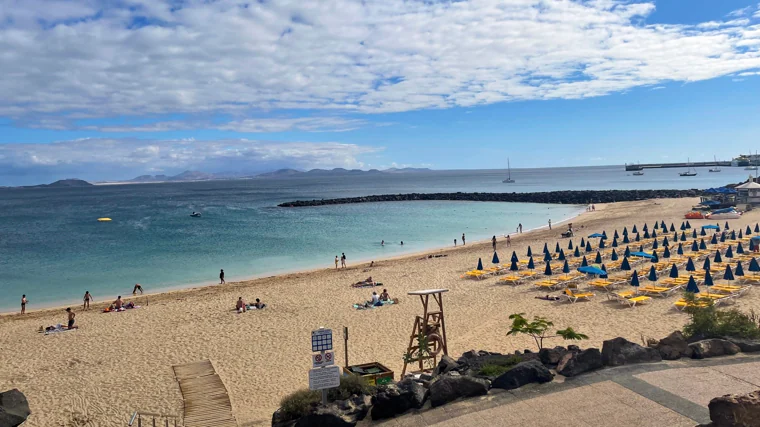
{"x":367,"y":305}
{"x":121,"y":309}
{"x":57,"y":330}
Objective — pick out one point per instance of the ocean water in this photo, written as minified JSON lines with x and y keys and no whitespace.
{"x":52,"y":248}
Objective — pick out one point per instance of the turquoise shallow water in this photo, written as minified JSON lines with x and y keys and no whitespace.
{"x":53,"y":249}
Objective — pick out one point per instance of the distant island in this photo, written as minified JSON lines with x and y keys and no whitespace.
{"x":62,"y":183}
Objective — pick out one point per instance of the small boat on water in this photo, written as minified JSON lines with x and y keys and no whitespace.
{"x":509,"y":179}
{"x":638,"y":173}
{"x":688,"y":171}
{"x":716,"y":168}
{"x":195,"y":214}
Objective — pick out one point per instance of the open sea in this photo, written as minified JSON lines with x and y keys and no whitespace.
{"x":52,"y":248}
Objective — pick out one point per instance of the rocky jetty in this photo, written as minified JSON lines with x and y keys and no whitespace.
{"x":554,"y":197}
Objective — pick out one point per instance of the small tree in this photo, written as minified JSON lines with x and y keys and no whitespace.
{"x":421,"y":352}
{"x":538,"y":329}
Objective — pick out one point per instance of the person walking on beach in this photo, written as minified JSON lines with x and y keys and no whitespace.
{"x":455,"y":243}
{"x":137,"y":288}
{"x":23,"y":304}
{"x":520,"y":227}
{"x":550,"y":224}
{"x":343,"y":260}
{"x":463,"y":242}
{"x":509,"y":241}
{"x":71,"y":316}
{"x":493,"y":243}
{"x":87,"y":298}
{"x":336,"y":262}
{"x":221,"y":277}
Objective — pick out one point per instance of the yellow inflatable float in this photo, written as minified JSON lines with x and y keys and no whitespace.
{"x":104,"y":219}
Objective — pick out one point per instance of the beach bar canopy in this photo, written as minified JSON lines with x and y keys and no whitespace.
{"x":596,"y":236}
{"x":592,"y":270}
{"x":642,"y":254}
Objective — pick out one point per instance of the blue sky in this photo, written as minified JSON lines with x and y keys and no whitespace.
{"x":110,"y":90}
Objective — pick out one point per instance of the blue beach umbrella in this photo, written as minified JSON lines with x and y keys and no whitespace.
{"x":672,"y":227}
{"x":655,"y":258}
{"x":654,"y":234}
{"x":688,"y":226}
{"x":683,"y":226}
{"x":495,"y":259}
{"x":588,"y":247}
{"x":633,"y":230}
{"x":663,"y":225}
{"x":513,"y":257}
{"x":635,"y":279}
{"x":641,"y":248}
{"x":665,"y":241}
{"x":714,"y":239}
{"x":748,"y":231}
{"x":604,"y":276}
{"x":638,"y":238}
{"x":683,"y":236}
{"x":656,"y":225}
{"x":531,"y":265}
{"x":652,"y":274}
{"x":692,"y":286}
{"x":690,"y":265}
{"x":727,"y":227}
{"x":615,"y":236}
{"x":646,"y":234}
{"x":739,"y":271}
{"x":625,"y":266}
{"x":753,"y":266}
{"x":513,"y":266}
{"x":722,"y":237}
{"x":739,"y":248}
{"x":480,"y":264}
{"x":548,"y":269}
{"x":614,"y":242}
{"x":645,"y":227}
{"x":570,"y":245}
{"x":709,"y":278}
{"x":584,"y":263}
{"x":601,"y":244}
{"x":625,"y":231}
{"x":547,"y":257}
{"x":566,"y":268}
{"x":557,"y":248}
{"x":614,"y":255}
{"x":592,"y":270}
{"x":733,"y":235}
{"x":702,"y":233}
{"x":711,"y":227}
{"x":577,"y":252}
{"x":706,"y":264}
{"x":666,"y":253}
{"x":530,"y":253}
{"x":728,"y":274}
{"x":729,"y":252}
{"x":655,"y":245}
{"x":740,"y":235}
{"x":625,"y":240}
{"x":561,"y":256}
{"x":694,"y":246}
{"x":718,"y":258}
{"x":546,"y":248}
{"x":598,"y":258}
{"x":583,"y":242}
{"x":702,"y":245}
{"x":627,"y":252}
{"x":604,"y":234}
{"x":694,"y":233}
{"x":674,"y":271}
{"x":757,"y":228}
{"x":679,"y":251}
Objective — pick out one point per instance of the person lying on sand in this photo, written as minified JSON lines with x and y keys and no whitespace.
{"x":549,"y":298}
{"x":366,"y":282}
{"x":240,"y":306}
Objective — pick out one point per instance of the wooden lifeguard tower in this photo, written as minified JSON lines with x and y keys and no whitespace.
{"x":430,"y":325}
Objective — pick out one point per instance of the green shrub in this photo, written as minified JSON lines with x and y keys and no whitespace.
{"x":297,"y":404}
{"x":495,"y":369}
{"x":709,"y":322}
{"x":350,"y":385}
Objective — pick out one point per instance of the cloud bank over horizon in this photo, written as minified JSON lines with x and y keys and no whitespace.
{"x":64,"y":62}
{"x":97,"y":159}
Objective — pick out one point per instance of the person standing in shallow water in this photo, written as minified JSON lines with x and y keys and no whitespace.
{"x":336,"y":262}
{"x":520,"y":227}
{"x":455,"y":242}
{"x":23,"y":304}
{"x":221,"y":277}
{"x":343,"y":260}
{"x":463,"y":242}
{"x":550,"y":224}
{"x":493,"y":243}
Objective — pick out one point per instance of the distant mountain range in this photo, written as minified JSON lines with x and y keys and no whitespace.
{"x":280,"y":173}
{"x":61,"y":183}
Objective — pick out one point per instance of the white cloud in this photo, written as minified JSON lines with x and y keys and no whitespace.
{"x":274,"y":124}
{"x":749,"y":73}
{"x":102,"y":158}
{"x":738,"y":13}
{"x":90,"y":58}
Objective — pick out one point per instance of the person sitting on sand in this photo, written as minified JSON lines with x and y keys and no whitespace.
{"x":376,"y":299}
{"x":118,"y":304}
{"x":384,"y":296}
{"x":240,"y":306}
{"x":71,"y":315}
{"x":258,"y":304}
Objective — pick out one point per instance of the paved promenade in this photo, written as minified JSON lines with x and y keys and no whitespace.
{"x":672,"y":394}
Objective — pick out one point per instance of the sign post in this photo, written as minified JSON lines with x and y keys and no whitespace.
{"x":324,"y":374}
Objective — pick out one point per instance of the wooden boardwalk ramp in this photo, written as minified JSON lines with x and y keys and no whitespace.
{"x":206,"y":402}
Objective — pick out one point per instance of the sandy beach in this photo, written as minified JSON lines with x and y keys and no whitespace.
{"x":118,"y":363}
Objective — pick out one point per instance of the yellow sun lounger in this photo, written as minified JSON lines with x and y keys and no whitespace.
{"x":634,"y":301}
{"x":656,"y":290}
{"x":512,"y":280}
{"x":477,"y":274}
{"x":547,"y":284}
{"x":575,"y":296}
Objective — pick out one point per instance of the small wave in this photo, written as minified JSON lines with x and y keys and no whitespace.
{"x":142,"y":224}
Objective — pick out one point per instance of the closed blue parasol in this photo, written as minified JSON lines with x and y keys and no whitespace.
{"x":739,"y":271}
{"x":646,"y":234}
{"x":601,"y":243}
{"x":714,"y":239}
{"x":637,"y":238}
{"x":566,"y":267}
{"x":702,"y":245}
{"x":625,"y":240}
{"x":588,"y":247}
{"x":645,"y":227}
{"x":655,"y":245}
{"x":718,"y":258}
{"x":625,"y":266}
{"x":548,"y":269}
{"x":748,"y":231}
{"x":577,"y":252}
{"x":584,"y":263}
{"x":690,"y":265}
{"x":615,"y":235}
{"x":654,"y":234}
{"x":683,"y":236}
{"x":665,"y":241}
{"x":739,"y":248}
{"x":480,"y":264}
{"x":666,"y":252}
{"x":592,"y":270}
{"x":656,"y":225}
{"x":673,"y":271}
{"x":614,"y":255}
{"x":754,"y":266}
{"x":655,"y":258}
{"x":546,"y":248}
{"x":625,"y":231}
{"x":694,"y":233}
{"x":514,"y":256}
{"x":706,"y":265}
{"x":530,"y":253}
{"x":531,"y":264}
{"x":652,"y":277}
{"x":728,"y":274}
{"x":708,"y":279}
{"x":547,"y":257}
{"x":635,"y":279}
{"x":513,"y":266}
{"x":672,"y":227}
{"x":633,"y":230}
{"x":757,"y":228}
{"x":598,"y":258}
{"x":663,"y":225}
{"x":688,"y":226}
{"x":495,"y":259}
{"x":627,"y":252}
{"x":729,"y":252}
{"x":727,"y":227}
{"x":604,"y":234}
{"x":614,"y":242}
{"x":604,"y":276}
{"x":692,"y":286}
{"x":583,"y":242}
{"x":641,"y":248}
{"x":679,"y":251}
{"x":557,"y":248}
{"x":570,"y":245}
{"x":722,"y":237}
{"x":740,"y":235}
{"x":733,"y":235}
{"x":694,"y":246}
{"x":683,"y":226}
{"x":702,"y":233}
{"x":561,"y":255}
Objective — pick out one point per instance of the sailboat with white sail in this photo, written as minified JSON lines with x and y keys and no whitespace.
{"x":717,"y":167}
{"x":509,"y":179}
{"x":688,"y":171}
